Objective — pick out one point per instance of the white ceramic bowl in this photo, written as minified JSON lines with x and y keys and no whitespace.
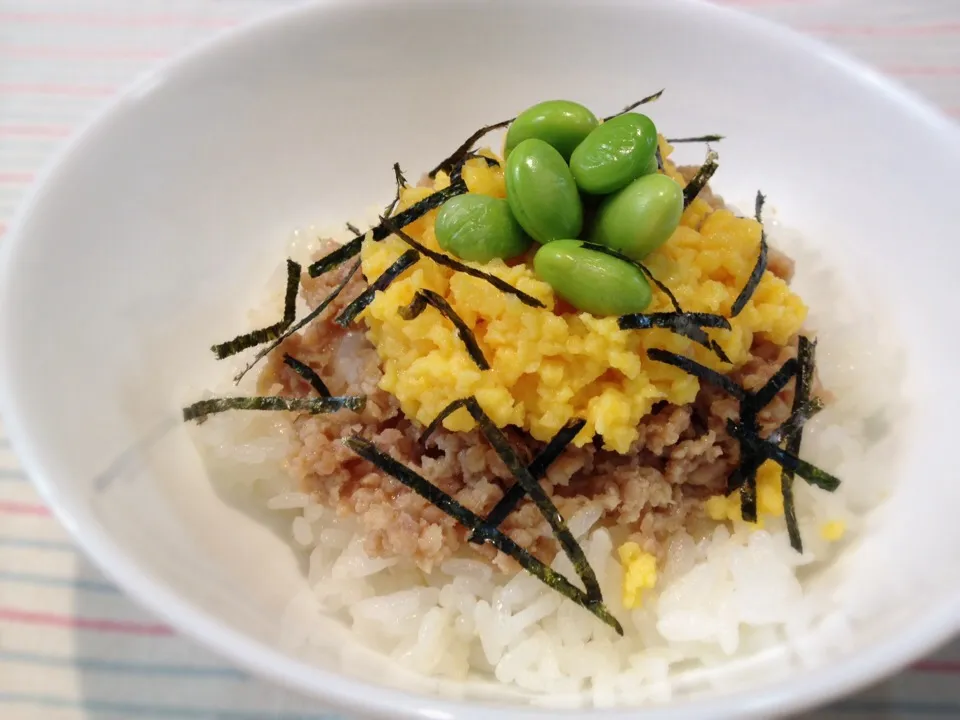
{"x":155,"y":229}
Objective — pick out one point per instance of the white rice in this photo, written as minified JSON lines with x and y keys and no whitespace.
{"x":739,"y":599}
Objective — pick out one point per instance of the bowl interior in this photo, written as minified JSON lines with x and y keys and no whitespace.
{"x":155,"y":234}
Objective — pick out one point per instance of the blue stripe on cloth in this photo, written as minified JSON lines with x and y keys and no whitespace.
{"x":170,"y":712}
{"x":897,"y":708}
{"x":36,"y":543}
{"x":92,"y":664}
{"x":55,"y":581}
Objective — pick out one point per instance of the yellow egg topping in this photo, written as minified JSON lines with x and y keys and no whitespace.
{"x":550,"y":365}
{"x":639,"y":573}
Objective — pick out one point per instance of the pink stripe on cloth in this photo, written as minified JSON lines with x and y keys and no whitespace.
{"x":34,"y":131}
{"x":28,"y":617}
{"x":34,"y":52}
{"x":49,"y":89}
{"x":109,"y":20}
{"x":15,"y":178}
{"x":11,"y":507}
{"x":946,"y":28}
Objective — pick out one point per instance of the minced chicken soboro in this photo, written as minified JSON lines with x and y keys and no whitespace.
{"x":654,"y":464}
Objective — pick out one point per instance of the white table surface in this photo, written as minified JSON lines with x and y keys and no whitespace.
{"x":71,"y":645}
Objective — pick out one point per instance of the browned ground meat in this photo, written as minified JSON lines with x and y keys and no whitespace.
{"x":682,"y":455}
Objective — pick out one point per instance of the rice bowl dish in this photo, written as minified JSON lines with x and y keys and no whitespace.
{"x":640,"y":427}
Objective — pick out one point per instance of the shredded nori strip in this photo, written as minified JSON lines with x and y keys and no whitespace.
{"x":765,"y":395}
{"x":531,"y":487}
{"x":597,"y":247}
{"x":441,"y":500}
{"x":352,"y":228}
{"x":754,"y":449}
{"x":797,"y":419}
{"x":267,"y":334}
{"x":643,"y":321}
{"x":302,"y":322}
{"x":538,"y":469}
{"x":401,"y":219}
{"x":783,"y":458}
{"x":350,"y":312}
{"x":401,"y":184}
{"x":701,"y":372}
{"x":659,"y":156}
{"x":458,"y":266}
{"x":456,"y":175}
{"x":686,"y":324}
{"x":447,"y":164}
{"x":426,"y":297}
{"x":806,"y":351}
{"x":635,"y":105}
{"x":700,"y":180}
{"x":701,"y":138}
{"x":758,"y":269}
{"x":689,"y":325}
{"x":308,"y":374}
{"x":200,"y":410}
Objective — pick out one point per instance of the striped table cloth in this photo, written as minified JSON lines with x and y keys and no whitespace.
{"x":72,"y":646}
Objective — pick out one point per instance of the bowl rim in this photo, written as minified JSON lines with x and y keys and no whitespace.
{"x":881,"y":658}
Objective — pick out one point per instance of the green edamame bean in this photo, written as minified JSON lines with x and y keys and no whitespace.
{"x":592,"y":281}
{"x":641,"y":217}
{"x":615,"y":154}
{"x":479,"y":228}
{"x":542,"y":193}
{"x":652,"y":166}
{"x":560,"y":123}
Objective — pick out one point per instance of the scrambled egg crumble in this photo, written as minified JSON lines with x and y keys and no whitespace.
{"x":550,"y":365}
{"x":639,"y":573}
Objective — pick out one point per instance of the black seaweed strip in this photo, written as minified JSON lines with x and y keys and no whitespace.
{"x":449,"y":262}
{"x":350,"y":312}
{"x":441,"y":416}
{"x":659,"y":156}
{"x":689,"y":325}
{"x":456,"y":175}
{"x":308,"y":374}
{"x":635,"y":105}
{"x":798,"y":418}
{"x":701,"y":138}
{"x":401,"y":184}
{"x":267,"y":334}
{"x":531,"y":486}
{"x":640,"y":266}
{"x":336,"y":257}
{"x":806,"y":351}
{"x":699,"y":371}
{"x":447,"y":164}
{"x":352,"y":228}
{"x":758,"y":269}
{"x":415,"y":308}
{"x":401,"y":219}
{"x":200,"y":410}
{"x":765,"y":395}
{"x":701,"y":179}
{"x":661,"y":287}
{"x":643,"y":321}
{"x":429,"y":297}
{"x":719,"y":352}
{"x":747,"y":473}
{"x":785,"y":459}
{"x":554,"y":580}
{"x":303,"y":321}
{"x":538,"y":468}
